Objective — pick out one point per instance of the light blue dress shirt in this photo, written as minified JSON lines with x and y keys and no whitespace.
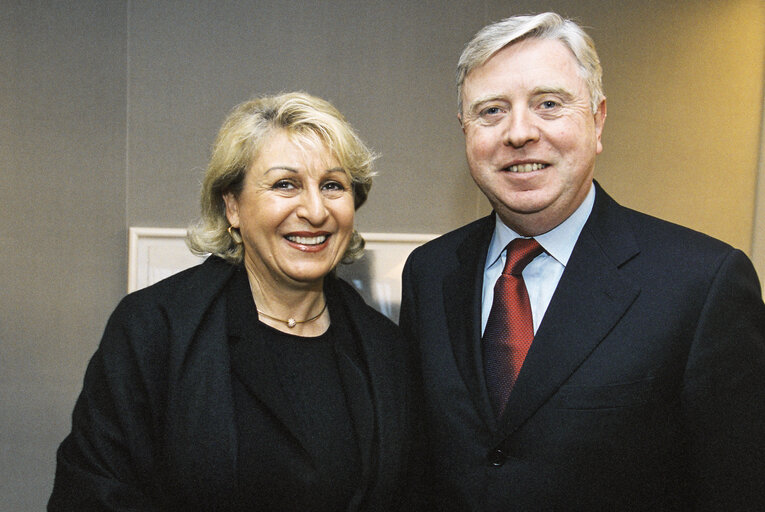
{"x":544,"y":272}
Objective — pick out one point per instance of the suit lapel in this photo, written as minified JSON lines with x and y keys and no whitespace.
{"x":590,"y":299}
{"x":462,"y":302}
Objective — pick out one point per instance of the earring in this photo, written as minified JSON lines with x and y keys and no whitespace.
{"x":231,"y":234}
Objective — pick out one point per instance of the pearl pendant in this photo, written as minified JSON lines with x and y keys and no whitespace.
{"x":291,"y":322}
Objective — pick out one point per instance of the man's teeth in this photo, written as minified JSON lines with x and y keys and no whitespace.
{"x":526,"y":167}
{"x":307,"y":240}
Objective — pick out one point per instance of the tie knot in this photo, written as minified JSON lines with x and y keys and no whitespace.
{"x":520,"y":252}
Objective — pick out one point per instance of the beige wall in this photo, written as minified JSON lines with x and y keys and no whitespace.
{"x":758,"y":235}
{"x":685,"y":97}
{"x":108,"y":108}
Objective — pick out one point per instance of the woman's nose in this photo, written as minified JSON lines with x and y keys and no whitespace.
{"x":312,"y":207}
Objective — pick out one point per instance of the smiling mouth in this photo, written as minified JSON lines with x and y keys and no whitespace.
{"x":523,"y":168}
{"x":307,"y":240}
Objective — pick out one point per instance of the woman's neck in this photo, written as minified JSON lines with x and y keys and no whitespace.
{"x":298,"y":308}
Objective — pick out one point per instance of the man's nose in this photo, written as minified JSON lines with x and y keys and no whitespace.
{"x":521,"y":128}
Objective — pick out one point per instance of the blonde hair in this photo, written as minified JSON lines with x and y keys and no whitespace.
{"x":237,"y":145}
{"x":492,"y":38}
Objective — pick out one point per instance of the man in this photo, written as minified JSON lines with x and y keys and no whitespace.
{"x":643,"y":387}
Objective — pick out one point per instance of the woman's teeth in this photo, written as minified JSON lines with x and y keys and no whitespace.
{"x":307,"y":240}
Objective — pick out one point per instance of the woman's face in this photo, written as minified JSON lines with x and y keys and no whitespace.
{"x":295,"y":212}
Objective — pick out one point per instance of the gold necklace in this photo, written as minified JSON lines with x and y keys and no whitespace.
{"x":291,"y":322}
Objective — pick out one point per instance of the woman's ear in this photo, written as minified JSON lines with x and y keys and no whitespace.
{"x":232,"y":208}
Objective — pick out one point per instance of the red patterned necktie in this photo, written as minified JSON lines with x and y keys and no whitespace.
{"x":510,"y":327}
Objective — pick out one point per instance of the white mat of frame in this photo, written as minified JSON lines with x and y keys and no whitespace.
{"x":157,"y":253}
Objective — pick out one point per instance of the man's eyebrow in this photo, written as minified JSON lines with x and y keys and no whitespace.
{"x":539,"y":91}
{"x":486,"y":99}
{"x":557,"y":91}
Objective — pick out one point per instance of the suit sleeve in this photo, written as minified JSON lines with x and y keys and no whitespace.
{"x":417,"y":498}
{"x":723,"y":396}
{"x":105,"y":462}
{"x":407,"y":301}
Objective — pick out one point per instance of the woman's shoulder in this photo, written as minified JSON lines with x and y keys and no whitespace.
{"x":175,"y":300}
{"x":192,"y":284}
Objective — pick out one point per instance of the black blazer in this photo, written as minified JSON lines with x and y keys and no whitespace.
{"x":154,"y":427}
{"x":644,"y":388}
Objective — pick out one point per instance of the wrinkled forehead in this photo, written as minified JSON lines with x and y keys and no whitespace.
{"x":527,"y":64}
{"x":304,"y":149}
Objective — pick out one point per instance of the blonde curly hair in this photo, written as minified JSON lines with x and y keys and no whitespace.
{"x":238,"y":144}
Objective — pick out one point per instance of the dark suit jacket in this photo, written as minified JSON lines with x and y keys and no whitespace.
{"x":644,"y":388}
{"x":154,"y":427}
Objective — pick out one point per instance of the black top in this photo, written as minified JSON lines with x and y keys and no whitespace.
{"x":307,"y":372}
{"x":155,"y":427}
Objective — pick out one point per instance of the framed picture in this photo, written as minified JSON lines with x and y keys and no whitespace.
{"x":377,"y":275}
{"x":157,"y":253}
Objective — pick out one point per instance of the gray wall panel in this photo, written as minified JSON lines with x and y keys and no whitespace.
{"x":62,"y":226}
{"x":388,"y":68}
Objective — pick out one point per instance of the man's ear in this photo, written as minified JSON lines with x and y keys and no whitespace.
{"x":600,"y":121}
{"x":459,"y":118}
{"x":232,"y":208}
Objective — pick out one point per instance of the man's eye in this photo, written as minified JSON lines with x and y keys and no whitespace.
{"x":549,"y":104}
{"x":491,"y":111}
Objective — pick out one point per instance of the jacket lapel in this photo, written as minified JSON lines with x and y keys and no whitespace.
{"x":266,"y":384}
{"x":248,"y":347}
{"x":357,"y":394}
{"x":462,"y":302}
{"x":199,"y":433}
{"x":590,"y":299}
{"x":374,"y":376}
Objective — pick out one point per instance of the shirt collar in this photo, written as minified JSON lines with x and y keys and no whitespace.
{"x":558,"y":242}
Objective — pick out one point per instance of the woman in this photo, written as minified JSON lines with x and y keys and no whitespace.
{"x":257,"y":380}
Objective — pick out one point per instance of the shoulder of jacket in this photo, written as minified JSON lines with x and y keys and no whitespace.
{"x":172,"y":301}
{"x":449,"y":241}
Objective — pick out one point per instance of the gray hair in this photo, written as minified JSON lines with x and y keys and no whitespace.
{"x":492,"y":38}
{"x":239,"y":141}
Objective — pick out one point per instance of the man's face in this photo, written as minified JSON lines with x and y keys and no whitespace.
{"x":530,"y":134}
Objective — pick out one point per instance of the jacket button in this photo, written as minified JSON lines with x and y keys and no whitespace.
{"x":496,"y":457}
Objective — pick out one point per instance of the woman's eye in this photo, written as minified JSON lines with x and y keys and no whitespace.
{"x":284,"y":185}
{"x":334,"y":185}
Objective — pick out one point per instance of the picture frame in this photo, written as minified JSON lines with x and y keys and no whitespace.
{"x":157,"y":253}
